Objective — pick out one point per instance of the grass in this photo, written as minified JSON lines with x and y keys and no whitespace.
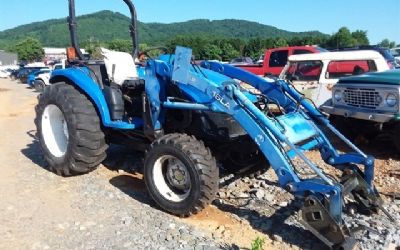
{"x":258,"y":243}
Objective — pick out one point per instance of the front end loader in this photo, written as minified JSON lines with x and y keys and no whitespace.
{"x":187,"y":117}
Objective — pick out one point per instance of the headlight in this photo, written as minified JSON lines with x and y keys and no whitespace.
{"x":391,"y":100}
{"x":338,"y":95}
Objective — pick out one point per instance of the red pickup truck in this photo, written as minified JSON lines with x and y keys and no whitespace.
{"x":274,"y":60}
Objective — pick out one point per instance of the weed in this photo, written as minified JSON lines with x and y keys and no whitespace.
{"x":257,"y":243}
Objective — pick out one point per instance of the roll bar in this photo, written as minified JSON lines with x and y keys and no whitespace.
{"x":73,"y":28}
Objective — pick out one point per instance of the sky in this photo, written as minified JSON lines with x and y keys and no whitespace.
{"x":381,"y":18}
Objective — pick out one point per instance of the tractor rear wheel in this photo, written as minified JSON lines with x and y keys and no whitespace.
{"x":69,"y":130}
{"x":181,"y":175}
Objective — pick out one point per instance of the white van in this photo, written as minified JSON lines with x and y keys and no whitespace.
{"x":315,"y":74}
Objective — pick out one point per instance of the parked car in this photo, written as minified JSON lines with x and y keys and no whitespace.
{"x":14,"y":74}
{"x":242,"y":61}
{"x":26,"y":71}
{"x":260,"y":59}
{"x":385,"y":52}
{"x":4,"y":74}
{"x":6,"y":70}
{"x":32,"y":76}
{"x":41,"y":78}
{"x":274,"y":60}
{"x":367,"y":105}
{"x":396,"y":54}
{"x":59,"y":66}
{"x":315,"y":74}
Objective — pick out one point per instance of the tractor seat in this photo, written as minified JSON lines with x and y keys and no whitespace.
{"x":120,"y":66}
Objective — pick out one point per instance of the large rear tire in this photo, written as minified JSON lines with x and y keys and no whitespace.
{"x":69,"y":130}
{"x":181,"y":175}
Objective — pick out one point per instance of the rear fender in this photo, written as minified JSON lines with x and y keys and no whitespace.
{"x":80,"y":78}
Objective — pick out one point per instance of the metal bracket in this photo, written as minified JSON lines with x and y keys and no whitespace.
{"x":367,"y":199}
{"x":181,"y":71}
{"x":316,"y":218}
{"x":148,"y":126}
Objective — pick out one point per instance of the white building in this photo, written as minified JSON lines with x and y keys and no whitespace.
{"x":56,"y":54}
{"x":7,"y":58}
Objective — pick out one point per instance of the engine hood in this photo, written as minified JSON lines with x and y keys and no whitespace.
{"x":390,"y":77}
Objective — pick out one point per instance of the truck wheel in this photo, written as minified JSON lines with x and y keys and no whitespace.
{"x":39,"y":85}
{"x":344,"y":125}
{"x":69,"y":131}
{"x":181,"y":175}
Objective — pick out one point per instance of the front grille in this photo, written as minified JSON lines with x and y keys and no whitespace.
{"x":365,"y":98}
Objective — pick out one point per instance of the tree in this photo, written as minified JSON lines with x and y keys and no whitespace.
{"x":228,"y":52}
{"x":143,"y":47}
{"x":91,"y":45}
{"x":386,"y":43}
{"x":254,"y":48}
{"x":211,"y":52}
{"x":120,"y":45}
{"x":360,"y":37}
{"x":343,"y":38}
{"x":238,"y":44}
{"x":280,"y":42}
{"x":29,"y":50}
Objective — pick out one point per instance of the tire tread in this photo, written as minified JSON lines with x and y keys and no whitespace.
{"x":206,"y":167}
{"x":87,"y":144}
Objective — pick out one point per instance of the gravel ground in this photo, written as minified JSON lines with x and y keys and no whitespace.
{"x":110,"y":208}
{"x":273,"y":211}
{"x":107,"y":209}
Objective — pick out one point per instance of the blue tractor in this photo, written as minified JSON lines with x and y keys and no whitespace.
{"x":187,"y":117}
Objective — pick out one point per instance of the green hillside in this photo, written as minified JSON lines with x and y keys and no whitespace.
{"x":106,"y":25}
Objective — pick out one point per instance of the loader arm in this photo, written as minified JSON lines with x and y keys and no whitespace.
{"x":279,"y":138}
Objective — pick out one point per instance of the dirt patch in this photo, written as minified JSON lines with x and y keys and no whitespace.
{"x":4,"y":90}
{"x":228,"y":229}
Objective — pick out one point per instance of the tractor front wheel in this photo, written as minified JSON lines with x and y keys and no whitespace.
{"x":69,"y":131}
{"x":181,"y":175}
